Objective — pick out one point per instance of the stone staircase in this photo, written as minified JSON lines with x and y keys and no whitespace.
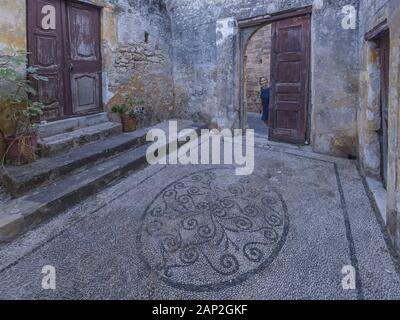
{"x":80,"y":157}
{"x":56,"y":137}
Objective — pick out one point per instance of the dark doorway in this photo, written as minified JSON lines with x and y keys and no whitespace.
{"x":383,"y":43}
{"x":257,"y":61}
{"x":289,"y":79}
{"x":64,"y":44}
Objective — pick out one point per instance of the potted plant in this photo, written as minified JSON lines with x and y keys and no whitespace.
{"x":22,"y":112}
{"x":22,"y":146}
{"x":127,"y":115}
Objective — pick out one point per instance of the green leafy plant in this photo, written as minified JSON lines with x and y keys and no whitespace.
{"x":129,"y":113}
{"x":130,"y":108}
{"x":16,"y":95}
{"x":120,"y":109}
{"x":23,"y":111}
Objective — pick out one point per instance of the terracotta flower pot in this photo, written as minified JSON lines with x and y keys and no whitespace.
{"x":22,"y":149}
{"x":128,"y":123}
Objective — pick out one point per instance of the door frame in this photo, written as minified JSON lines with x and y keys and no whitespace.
{"x":246,"y":29}
{"x":67,"y":112}
{"x":375,"y":35}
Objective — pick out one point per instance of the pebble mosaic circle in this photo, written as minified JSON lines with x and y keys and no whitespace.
{"x":212,"y":229}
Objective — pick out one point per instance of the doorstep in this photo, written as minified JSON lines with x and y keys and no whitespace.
{"x":379,"y":195}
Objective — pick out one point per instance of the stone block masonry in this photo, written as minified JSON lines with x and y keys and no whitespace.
{"x":257,"y":65}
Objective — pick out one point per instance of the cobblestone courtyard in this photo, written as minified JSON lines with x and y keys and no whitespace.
{"x":200,"y":232}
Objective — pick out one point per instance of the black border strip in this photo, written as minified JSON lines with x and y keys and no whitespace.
{"x":346,"y":217}
{"x":349,"y":236}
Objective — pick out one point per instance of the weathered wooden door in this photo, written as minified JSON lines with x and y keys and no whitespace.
{"x":45,"y":47}
{"x":83,"y":58}
{"x":289,"y":79}
{"x":384,"y":47}
{"x":64,"y":43}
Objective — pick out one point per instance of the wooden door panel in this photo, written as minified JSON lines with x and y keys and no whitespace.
{"x":84,"y":60}
{"x":46,"y":51}
{"x":285,"y":118}
{"x":86,"y":89}
{"x":289,"y":38}
{"x":45,"y":47}
{"x":288,"y":91}
{"x":289,"y":80}
{"x":288,"y":72}
{"x":84,"y":46}
{"x":289,"y":106}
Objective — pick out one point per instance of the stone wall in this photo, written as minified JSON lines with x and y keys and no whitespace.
{"x":257,"y":65}
{"x":139,"y":61}
{"x":204,"y":41}
{"x":12,"y":34}
{"x":13,"y":24}
{"x":372,"y":13}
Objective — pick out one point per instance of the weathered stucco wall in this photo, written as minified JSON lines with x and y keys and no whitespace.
{"x":257,"y":65}
{"x":12,"y":35}
{"x":372,"y":13}
{"x":136,"y":41}
{"x":13,"y":24}
{"x":203,"y":64}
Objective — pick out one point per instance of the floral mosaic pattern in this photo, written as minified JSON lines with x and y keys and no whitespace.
{"x":213,"y":229}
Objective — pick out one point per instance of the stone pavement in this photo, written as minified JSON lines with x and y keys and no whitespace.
{"x":254,"y":122}
{"x":200,"y":232}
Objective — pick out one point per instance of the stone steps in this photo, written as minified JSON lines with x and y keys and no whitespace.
{"x":47,"y":200}
{"x":28,"y":211}
{"x":67,"y":125}
{"x":55,"y":144}
{"x":20,"y":179}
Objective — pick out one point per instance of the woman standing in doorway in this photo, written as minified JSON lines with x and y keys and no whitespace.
{"x":264,"y":95}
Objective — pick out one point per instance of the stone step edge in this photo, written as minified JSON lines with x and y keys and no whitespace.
{"x":19,"y":187}
{"x":52,"y":148}
{"x":25,"y":214}
{"x":53,"y":128}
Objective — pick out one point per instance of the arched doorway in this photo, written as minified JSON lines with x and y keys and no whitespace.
{"x":289,"y":114}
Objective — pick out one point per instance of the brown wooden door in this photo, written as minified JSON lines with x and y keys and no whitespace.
{"x":289,"y":79}
{"x":64,"y":42}
{"x":83,"y":58}
{"x":45,"y":45}
{"x":384,"y":48}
